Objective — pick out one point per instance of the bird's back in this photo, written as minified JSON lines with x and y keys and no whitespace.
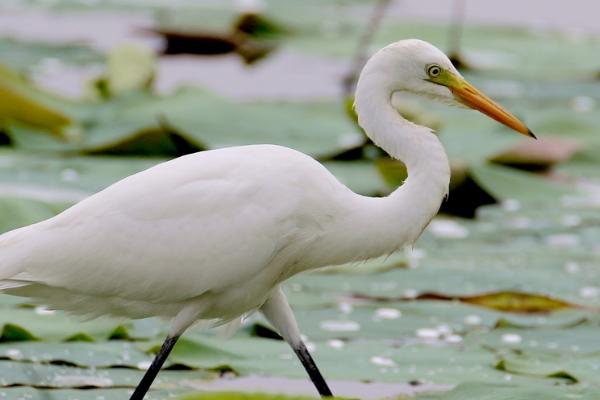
{"x":206,"y":222}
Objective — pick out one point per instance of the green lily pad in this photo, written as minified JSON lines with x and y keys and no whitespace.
{"x":240,"y":396}
{"x":78,"y":354}
{"x":511,"y":391}
{"x":22,"y":56}
{"x":204,"y":120}
{"x":19,"y":393}
{"x":27,"y":324}
{"x":66,"y":377}
{"x":504,"y":183}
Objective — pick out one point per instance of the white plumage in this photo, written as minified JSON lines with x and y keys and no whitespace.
{"x":212,"y":235}
{"x":210,"y":221}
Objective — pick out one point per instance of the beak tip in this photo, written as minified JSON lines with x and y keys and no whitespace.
{"x":531,"y":134}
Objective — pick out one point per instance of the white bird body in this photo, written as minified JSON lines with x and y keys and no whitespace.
{"x":212,"y":235}
{"x":216,"y":230}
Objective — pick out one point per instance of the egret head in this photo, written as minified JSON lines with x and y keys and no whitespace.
{"x":418,"y":67}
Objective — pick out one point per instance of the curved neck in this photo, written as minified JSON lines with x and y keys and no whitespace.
{"x":399,"y":219}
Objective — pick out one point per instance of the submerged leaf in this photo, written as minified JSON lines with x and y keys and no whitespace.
{"x":518,"y":302}
{"x":509,"y":301}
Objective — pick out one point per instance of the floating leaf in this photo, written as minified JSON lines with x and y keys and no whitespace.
{"x":30,"y":393}
{"x":80,"y":337}
{"x":204,"y":120}
{"x":506,"y":183}
{"x":512,"y":391}
{"x":540,"y":154}
{"x":53,"y":376}
{"x":16,"y":333}
{"x":25,"y":55}
{"x":120,"y":333}
{"x":18,"y":104}
{"x":96,"y":354}
{"x":159,"y":141}
{"x":242,"y":396}
{"x":519,"y":364}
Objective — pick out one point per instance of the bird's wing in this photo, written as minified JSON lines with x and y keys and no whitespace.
{"x":199,"y":223}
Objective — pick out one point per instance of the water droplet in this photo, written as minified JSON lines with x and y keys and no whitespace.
{"x":570,"y":220}
{"x":14,"y":354}
{"x":454,"y":339}
{"x":414,"y":256}
{"x":387,"y":313}
{"x":69,"y":175}
{"x":571,"y":267}
{"x":444,"y":330}
{"x":144,"y":365}
{"x":562,"y":240}
{"x":428,"y":333}
{"x":520,"y":222}
{"x":582,"y":104}
{"x":447,"y":229}
{"x":382,"y":361}
{"x":511,"y":338}
{"x":336,"y":344}
{"x":473,"y":319}
{"x":340,"y":326}
{"x":43,"y":310}
{"x":345,"y":307}
{"x":81,"y":380}
{"x":511,"y":205}
{"x":589,"y":292}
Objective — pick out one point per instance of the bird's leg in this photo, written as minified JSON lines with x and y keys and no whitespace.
{"x":181,"y":322}
{"x":157,"y":363}
{"x":277,"y":310}
{"x":311,"y":368}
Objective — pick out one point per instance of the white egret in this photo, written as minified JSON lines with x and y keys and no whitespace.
{"x":212,"y":235}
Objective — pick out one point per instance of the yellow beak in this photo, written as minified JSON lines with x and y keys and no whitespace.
{"x":468,"y":95}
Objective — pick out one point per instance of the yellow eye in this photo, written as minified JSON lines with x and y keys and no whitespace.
{"x":434,"y":71}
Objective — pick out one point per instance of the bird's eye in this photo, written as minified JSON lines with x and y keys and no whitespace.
{"x":433,"y":71}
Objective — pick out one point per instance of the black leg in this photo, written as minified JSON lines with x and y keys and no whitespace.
{"x":157,"y":363}
{"x":313,"y":372}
